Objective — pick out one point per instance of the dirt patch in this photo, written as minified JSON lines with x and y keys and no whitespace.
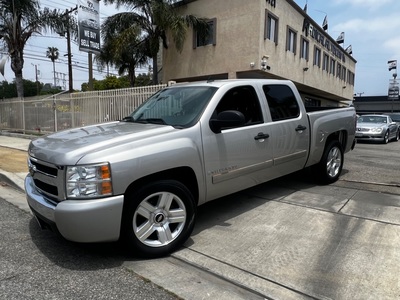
{"x":12,"y":160}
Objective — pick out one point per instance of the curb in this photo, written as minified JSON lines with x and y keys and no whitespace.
{"x":4,"y":178}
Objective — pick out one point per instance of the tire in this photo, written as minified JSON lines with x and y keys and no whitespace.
{"x":397,"y":136}
{"x":158,"y":218}
{"x":330,"y":166}
{"x":386,"y":137}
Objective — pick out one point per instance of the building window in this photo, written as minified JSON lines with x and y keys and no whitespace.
{"x":344,"y":70}
{"x":209,"y":39}
{"x":291,"y":40}
{"x":350,"y":77}
{"x":325,"y":63}
{"x":339,"y":70}
{"x":332,"y":67}
{"x":271,"y":27}
{"x":317,"y":57}
{"x":305,"y":46}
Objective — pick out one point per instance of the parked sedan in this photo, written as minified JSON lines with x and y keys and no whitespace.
{"x":380,"y":128}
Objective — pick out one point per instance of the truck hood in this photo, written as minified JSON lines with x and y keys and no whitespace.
{"x":69,"y":146}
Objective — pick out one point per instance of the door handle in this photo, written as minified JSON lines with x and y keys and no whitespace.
{"x":301,"y":128}
{"x":261,"y":136}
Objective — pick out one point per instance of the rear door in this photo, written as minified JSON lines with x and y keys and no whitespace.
{"x":289,"y":130}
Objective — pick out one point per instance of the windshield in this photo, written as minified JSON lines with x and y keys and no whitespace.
{"x":176,"y":106}
{"x":372,"y":119}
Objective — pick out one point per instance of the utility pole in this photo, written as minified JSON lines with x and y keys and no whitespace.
{"x":37,"y":80}
{"x":71,"y":82}
{"x":90,"y":61}
{"x":66,"y":15}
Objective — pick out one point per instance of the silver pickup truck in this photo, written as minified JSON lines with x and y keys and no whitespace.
{"x":141,"y":179}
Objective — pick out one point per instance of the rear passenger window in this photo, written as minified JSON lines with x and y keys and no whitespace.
{"x":281,"y":102}
{"x":243,"y":99}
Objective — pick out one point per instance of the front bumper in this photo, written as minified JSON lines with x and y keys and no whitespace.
{"x":84,"y":221}
{"x":370,"y":136}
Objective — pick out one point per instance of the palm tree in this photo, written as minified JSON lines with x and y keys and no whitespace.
{"x":52,"y":53}
{"x":155,"y":18}
{"x":122,"y":48}
{"x":19,"y":20}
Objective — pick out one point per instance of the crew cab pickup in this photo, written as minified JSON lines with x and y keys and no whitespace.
{"x":141,"y":179}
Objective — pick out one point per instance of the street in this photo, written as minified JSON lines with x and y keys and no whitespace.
{"x":37,"y":264}
{"x":372,"y":166}
{"x":286,"y":239}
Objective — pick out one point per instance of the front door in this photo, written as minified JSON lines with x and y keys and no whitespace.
{"x":238,"y":158}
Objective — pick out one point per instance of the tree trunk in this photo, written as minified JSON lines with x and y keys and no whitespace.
{"x":17,"y":63}
{"x":54,"y":73}
{"x":19,"y":82}
{"x":132,"y":77}
{"x":155,"y":70}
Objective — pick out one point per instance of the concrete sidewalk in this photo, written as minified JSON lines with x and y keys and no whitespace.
{"x":286,"y":239}
{"x":14,"y":178}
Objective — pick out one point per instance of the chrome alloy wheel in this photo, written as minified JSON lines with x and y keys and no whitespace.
{"x":159,"y":219}
{"x":334,"y":162}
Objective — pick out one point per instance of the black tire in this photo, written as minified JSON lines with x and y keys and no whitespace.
{"x":330,"y":166}
{"x":386,"y":137}
{"x":397,"y":136}
{"x":158,"y":218}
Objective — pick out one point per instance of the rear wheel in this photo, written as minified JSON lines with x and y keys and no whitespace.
{"x":397,"y":135}
{"x":330,"y":166}
{"x":158,"y":218}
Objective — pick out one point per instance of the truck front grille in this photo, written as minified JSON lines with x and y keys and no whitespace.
{"x":48,"y":178}
{"x":51,"y":171}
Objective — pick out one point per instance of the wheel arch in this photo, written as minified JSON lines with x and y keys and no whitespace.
{"x":185,"y":175}
{"x":341,"y":136}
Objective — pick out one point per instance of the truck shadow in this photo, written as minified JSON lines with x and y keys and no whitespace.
{"x":77,"y":256}
{"x":216,"y":212}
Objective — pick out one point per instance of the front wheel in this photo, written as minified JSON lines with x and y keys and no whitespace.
{"x":386,"y":137}
{"x":330,"y":166}
{"x":158,"y":218}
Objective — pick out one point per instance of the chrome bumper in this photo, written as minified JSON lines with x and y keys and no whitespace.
{"x":84,"y":221}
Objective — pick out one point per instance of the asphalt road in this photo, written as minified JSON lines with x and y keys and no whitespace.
{"x":373,"y":167}
{"x":288,"y":239}
{"x":36,"y":264}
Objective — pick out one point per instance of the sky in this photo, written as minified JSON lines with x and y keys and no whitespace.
{"x":371,"y":27}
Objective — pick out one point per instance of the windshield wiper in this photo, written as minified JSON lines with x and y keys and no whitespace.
{"x":152,"y":120}
{"x":128,"y":119}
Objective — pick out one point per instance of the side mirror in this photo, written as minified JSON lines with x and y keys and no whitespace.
{"x":227,"y":119}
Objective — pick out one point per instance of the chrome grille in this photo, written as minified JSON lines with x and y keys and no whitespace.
{"x":48,"y":178}
{"x":361,"y":129}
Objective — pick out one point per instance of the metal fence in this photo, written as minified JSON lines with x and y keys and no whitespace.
{"x":64,"y":111}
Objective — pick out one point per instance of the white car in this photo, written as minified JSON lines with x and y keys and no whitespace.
{"x":380,"y":128}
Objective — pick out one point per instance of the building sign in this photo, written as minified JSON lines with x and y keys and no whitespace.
{"x":393,"y":93}
{"x":89,"y":25}
{"x":313,"y":32}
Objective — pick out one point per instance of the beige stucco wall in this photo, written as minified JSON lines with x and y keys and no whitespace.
{"x":240,"y":42}
{"x":235,"y":48}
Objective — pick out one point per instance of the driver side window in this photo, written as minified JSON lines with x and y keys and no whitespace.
{"x":243,"y":99}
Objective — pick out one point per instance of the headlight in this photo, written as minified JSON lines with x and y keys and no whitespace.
{"x":377,"y":130}
{"x":89,"y":181}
